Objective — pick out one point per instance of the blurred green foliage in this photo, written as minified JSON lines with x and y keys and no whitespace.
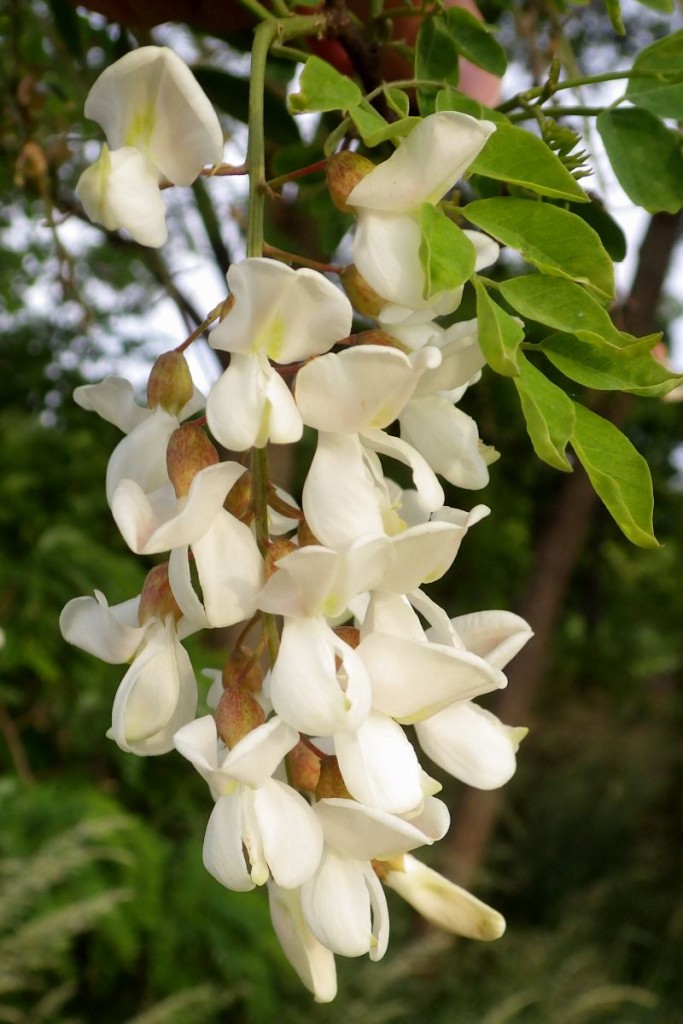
{"x":106,"y":912}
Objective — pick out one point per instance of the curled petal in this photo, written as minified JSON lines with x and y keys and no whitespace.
{"x":223,"y":853}
{"x":156,"y":697}
{"x":112,"y":634}
{"x":150,"y":99}
{"x":339,"y":904}
{"x":151,"y":523}
{"x":114,"y":400}
{"x":461,"y":359}
{"x":141,"y":455}
{"x":443,"y":903}
{"x":288,"y":315}
{"x":471,"y":744}
{"x":308,"y":690}
{"x":363,"y":387}
{"x":446,"y":675}
{"x":425,"y":166}
{"x":379,"y":765}
{"x":230,"y":570}
{"x":250,"y":404}
{"x":312,"y":961}
{"x":428,"y":487}
{"x":448,"y":439}
{"x":496,"y":636}
{"x":121,"y":190}
{"x":368,"y":833}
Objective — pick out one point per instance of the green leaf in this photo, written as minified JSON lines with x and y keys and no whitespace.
{"x":436,"y":59}
{"x":614,"y":11}
{"x":474,"y":41}
{"x":398,"y":101}
{"x":322,"y":88}
{"x":568,"y":307}
{"x":554,"y":240}
{"x":549,"y":415}
{"x":609,"y":370}
{"x":231,"y":94}
{"x":646,"y":157}
{"x":68,"y":24}
{"x":500,"y":334}
{"x":446,"y":254}
{"x":515,"y":155}
{"x":451,"y":99}
{"x":661,"y":95}
{"x":619,"y":474}
{"x":611,"y":235}
{"x":372,"y":127}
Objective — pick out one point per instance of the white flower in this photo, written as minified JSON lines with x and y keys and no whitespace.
{"x":443,"y":903}
{"x":158,"y":693}
{"x":259,"y":827}
{"x":313,"y":962}
{"x":158,"y":124}
{"x":279,"y":315}
{"x":387,"y":240}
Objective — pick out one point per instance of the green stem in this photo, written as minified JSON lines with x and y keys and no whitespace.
{"x":578,"y":111}
{"x":574,"y":83}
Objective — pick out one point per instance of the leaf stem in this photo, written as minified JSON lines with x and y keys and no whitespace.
{"x":573,"y":83}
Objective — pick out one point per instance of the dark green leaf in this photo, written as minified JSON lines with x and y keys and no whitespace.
{"x":611,"y":235}
{"x":446,"y":254}
{"x":436,"y":59}
{"x":515,"y":155}
{"x":663,"y":94}
{"x":500,"y":334}
{"x":549,"y":415}
{"x":68,"y":25}
{"x":619,"y":474}
{"x":614,"y":11}
{"x":646,"y":157}
{"x":554,"y":240}
{"x":474,"y":41}
{"x":609,"y":370}
{"x":372,"y":127}
{"x":451,"y":99}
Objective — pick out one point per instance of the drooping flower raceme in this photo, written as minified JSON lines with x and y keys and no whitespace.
{"x":159,"y":125}
{"x":318,"y":790}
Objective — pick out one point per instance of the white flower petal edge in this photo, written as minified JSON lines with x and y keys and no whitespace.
{"x":443,"y":903}
{"x":312,"y":961}
{"x":121,"y":190}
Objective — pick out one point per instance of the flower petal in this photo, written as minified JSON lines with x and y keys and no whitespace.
{"x":250,"y":404}
{"x":230,"y":570}
{"x":448,"y":439}
{"x":336,"y":905}
{"x":223,"y":851}
{"x":110,"y":633}
{"x":291,"y":834}
{"x":121,"y":190}
{"x":114,"y":400}
{"x":312,"y":961}
{"x":340,"y":499}
{"x":471,"y":744}
{"x":379,"y":765}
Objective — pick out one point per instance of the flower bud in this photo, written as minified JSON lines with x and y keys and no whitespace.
{"x":237,"y":714}
{"x":238,"y":501}
{"x":243,"y":669}
{"x":331,"y":783}
{"x":303,"y":768}
{"x":383,"y":867}
{"x":344,"y":171}
{"x":170,"y":383}
{"x":362,"y":297}
{"x":277,"y":549}
{"x":349,"y":634}
{"x":157,"y":600}
{"x":189,"y":451}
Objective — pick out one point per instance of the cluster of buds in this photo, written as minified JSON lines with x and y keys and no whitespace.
{"x":319,"y":793}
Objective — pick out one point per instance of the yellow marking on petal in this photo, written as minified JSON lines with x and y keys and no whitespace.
{"x":382,"y":417}
{"x":392,"y":522}
{"x":271,"y":338}
{"x":140,"y":128}
{"x":330,"y":606}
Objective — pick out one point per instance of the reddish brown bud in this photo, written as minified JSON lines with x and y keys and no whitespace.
{"x":331,"y":783}
{"x":189,"y":451}
{"x":305,"y":535}
{"x":344,"y":171}
{"x":303,"y":768}
{"x":362,"y":297}
{"x":349,"y":634}
{"x":277,"y":549}
{"x":157,"y":600}
{"x":238,"y":501}
{"x":170,"y":383}
{"x":243,"y":669}
{"x":237,"y":714}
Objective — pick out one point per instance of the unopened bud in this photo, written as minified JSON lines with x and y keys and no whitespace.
{"x":243,"y":669}
{"x":331,"y":783}
{"x":362,"y":297}
{"x":303,"y":768}
{"x":170,"y":383}
{"x":375,"y":337}
{"x":189,"y":451}
{"x":305,"y":535}
{"x":277,"y":549}
{"x":344,"y":171}
{"x":349,"y":634}
{"x":238,"y":713}
{"x":157,"y":600}
{"x":238,"y":501}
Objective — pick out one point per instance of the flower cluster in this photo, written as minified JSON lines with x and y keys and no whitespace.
{"x":318,"y":791}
